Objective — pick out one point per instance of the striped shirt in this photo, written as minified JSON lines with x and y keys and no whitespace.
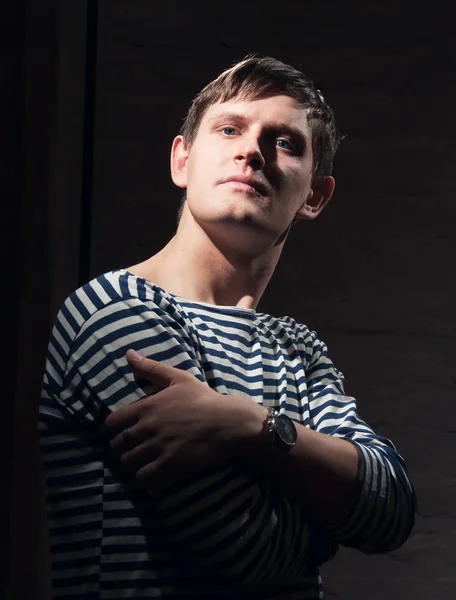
{"x":222,"y":533}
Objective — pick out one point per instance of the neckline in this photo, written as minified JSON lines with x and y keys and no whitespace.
{"x":221,"y":307}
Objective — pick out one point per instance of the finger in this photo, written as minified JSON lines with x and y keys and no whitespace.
{"x":154,"y":371}
{"x":123,"y":417}
{"x":158,"y":471}
{"x":125,"y":440}
{"x":141,"y":455}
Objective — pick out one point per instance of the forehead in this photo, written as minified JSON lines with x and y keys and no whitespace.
{"x":273,"y":111}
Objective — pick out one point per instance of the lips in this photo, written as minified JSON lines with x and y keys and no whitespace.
{"x":256,"y":185}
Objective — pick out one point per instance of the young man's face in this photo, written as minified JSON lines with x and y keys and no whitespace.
{"x":267,"y":145}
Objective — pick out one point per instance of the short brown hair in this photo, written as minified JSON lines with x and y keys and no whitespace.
{"x":255,"y":78}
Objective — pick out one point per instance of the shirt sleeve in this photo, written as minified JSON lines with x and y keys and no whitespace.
{"x":383,"y":514}
{"x":229,"y":518}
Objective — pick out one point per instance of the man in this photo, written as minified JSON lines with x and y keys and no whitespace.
{"x":219,"y":457}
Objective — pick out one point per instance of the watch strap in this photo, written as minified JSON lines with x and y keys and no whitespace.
{"x":272,"y":415}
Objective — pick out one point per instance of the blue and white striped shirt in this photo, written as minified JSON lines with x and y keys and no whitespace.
{"x":221,"y":533}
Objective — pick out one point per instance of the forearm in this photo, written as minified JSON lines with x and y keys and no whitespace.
{"x":383,"y":516}
{"x":245,"y":524}
{"x":232,"y":521}
{"x":357,"y":490}
{"x":321,"y":474}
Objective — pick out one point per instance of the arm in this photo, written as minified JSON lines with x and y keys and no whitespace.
{"x":334,"y":466}
{"x":228,"y":518}
{"x":359,"y":489}
{"x":378,"y":507}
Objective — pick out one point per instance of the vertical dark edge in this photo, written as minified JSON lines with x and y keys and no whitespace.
{"x":10,"y":244}
{"x":88,"y":140}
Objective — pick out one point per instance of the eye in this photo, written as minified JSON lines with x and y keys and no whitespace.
{"x":287,"y":145}
{"x":228,"y":129}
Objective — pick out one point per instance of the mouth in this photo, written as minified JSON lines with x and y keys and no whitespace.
{"x":243,"y":186}
{"x":247,"y":185}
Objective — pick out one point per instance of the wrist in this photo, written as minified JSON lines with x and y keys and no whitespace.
{"x":269,"y":436}
{"x":244,"y":433}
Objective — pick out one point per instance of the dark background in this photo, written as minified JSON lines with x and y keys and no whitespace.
{"x":91,"y":96}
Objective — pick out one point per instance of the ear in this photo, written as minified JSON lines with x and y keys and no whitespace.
{"x":319,"y":196}
{"x":179,"y":157}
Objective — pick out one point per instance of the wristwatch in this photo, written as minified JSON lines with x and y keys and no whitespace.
{"x":282,"y":430}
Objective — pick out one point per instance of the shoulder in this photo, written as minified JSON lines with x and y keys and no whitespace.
{"x":99,"y":321}
{"x":110,"y":297}
{"x":110,"y":310}
{"x":299,"y":334}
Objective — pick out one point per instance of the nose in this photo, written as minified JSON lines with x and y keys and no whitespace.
{"x":249,"y":151}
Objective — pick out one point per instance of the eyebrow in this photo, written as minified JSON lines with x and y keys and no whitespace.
{"x":228,"y":115}
{"x":289,"y":129}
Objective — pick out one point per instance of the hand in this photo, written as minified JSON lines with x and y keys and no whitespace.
{"x":185,"y":426}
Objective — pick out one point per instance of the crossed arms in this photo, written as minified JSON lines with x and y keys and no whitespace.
{"x":234,"y":519}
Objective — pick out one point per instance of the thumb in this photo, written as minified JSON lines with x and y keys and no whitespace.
{"x":152,"y":370}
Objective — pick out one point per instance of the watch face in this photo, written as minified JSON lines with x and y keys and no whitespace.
{"x":286,"y":430}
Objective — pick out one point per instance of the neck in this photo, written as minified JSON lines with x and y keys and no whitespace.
{"x":194,"y":266}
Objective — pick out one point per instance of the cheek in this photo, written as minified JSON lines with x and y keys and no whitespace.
{"x":297,"y":180}
{"x":201,"y":164}
{"x":196,"y":172}
{"x":207,"y":169}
